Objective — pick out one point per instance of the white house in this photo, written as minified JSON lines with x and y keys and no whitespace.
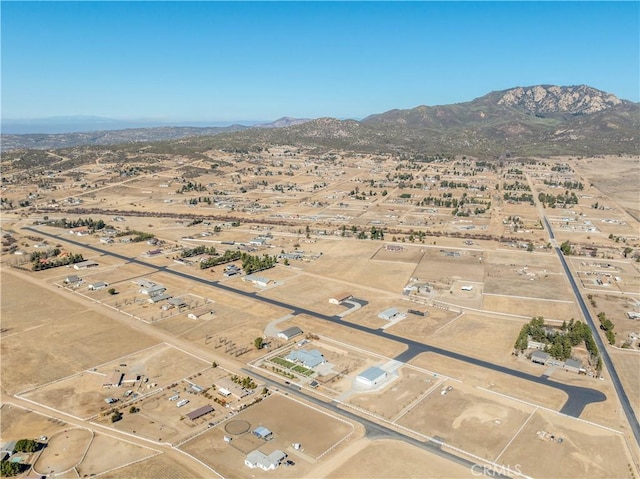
{"x":261,"y":460}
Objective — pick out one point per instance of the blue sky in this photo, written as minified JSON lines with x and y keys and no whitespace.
{"x":224,"y":61}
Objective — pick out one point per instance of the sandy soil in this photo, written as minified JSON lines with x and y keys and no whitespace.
{"x":90,"y":338}
{"x":384,"y":459}
{"x":585,"y":451}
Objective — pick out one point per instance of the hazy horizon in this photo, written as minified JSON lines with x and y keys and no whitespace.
{"x":176,"y":62}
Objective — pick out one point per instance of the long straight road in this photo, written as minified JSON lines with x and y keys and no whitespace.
{"x":615,"y":379}
{"x":578,"y":397}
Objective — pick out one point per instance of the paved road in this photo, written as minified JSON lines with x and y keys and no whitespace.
{"x":578,"y":397}
{"x":373,"y":429}
{"x":615,"y":379}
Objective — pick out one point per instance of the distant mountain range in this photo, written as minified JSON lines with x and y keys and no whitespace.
{"x":536,"y":120}
{"x":88,"y":123}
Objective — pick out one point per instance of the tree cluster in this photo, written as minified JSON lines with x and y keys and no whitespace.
{"x":557,"y":343}
{"x":251,"y":264}
{"x":228,"y":256}
{"x":190,"y":252}
{"x":550,"y":200}
{"x":607,"y":326}
{"x":46,"y":260}
{"x":91,"y":224}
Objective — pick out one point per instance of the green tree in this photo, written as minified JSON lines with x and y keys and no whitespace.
{"x":566,"y":248}
{"x":8,"y":468}
{"x":111,"y":291}
{"x":116,"y":416}
{"x":258,"y":342}
{"x":26,"y":445}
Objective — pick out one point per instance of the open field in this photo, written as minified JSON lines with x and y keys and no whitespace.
{"x":481,"y":336}
{"x":627,"y":366}
{"x":618,"y":180}
{"x":383,"y":459}
{"x":585,"y":451}
{"x":469,"y":419}
{"x":120,"y":453}
{"x":17,"y":423}
{"x":89,"y":338}
{"x":153,"y":468}
{"x":350,"y":261}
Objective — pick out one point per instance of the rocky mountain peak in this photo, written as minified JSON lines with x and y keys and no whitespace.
{"x":544,"y":99}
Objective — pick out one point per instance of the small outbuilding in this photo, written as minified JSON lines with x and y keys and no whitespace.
{"x":263,"y":433}
{"x":113,"y":381}
{"x":72,"y":279}
{"x":258,"y":280}
{"x":85,"y":264}
{"x":339,"y":298}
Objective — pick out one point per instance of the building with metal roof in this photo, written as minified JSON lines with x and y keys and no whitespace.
{"x":389,"y":314}
{"x":372,"y":376}
{"x":201,"y":411}
{"x":263,"y":433}
{"x":540,"y":357}
{"x":289,"y":333}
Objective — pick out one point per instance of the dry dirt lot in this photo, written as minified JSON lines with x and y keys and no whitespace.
{"x":289,"y":420}
{"x":399,"y":394}
{"x":292,"y":421}
{"x":627,"y":366}
{"x":477,"y":376}
{"x":502,"y":279}
{"x":17,"y":423}
{"x":156,"y":467}
{"x":556,"y":310}
{"x":349,"y":260}
{"x":376,"y":344}
{"x":469,"y":419}
{"x":385,"y":459}
{"x":618,"y":180}
{"x":482,"y":336}
{"x":107,"y":454}
{"x":64,"y":336}
{"x":64,"y":451}
{"x":422,"y":327}
{"x":585,"y":451}
{"x":83,"y":395}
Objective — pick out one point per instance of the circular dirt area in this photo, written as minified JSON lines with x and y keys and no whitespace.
{"x":64,"y":451}
{"x":237,"y":427}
